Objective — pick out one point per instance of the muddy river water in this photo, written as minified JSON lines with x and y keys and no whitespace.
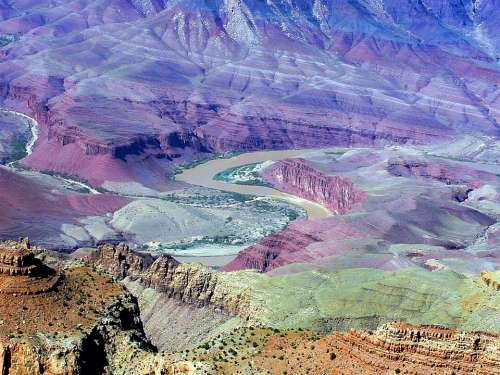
{"x":203,"y":175}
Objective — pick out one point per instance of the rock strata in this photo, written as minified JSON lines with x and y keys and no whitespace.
{"x":295,"y":176}
{"x":193,"y":283}
{"x":22,"y":273}
{"x":449,"y":174}
{"x":492,"y":279}
{"x":393,"y":348}
{"x":87,"y":325}
{"x":432,"y":348}
{"x":266,"y":255}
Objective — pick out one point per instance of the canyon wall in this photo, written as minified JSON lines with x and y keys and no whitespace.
{"x":393,"y":348}
{"x":184,"y":79}
{"x":86,"y":324}
{"x":192,"y":283}
{"x":425,"y":349}
{"x":115,"y":345}
{"x":268,"y":253}
{"x":297,"y":177}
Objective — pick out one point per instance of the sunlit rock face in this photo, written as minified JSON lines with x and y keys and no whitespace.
{"x":122,"y":89}
{"x":295,"y":176}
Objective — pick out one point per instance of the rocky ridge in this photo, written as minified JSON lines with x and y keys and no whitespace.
{"x":393,"y":348}
{"x":190,"y":283}
{"x":265,"y":255}
{"x":296,"y":176}
{"x":429,"y":347}
{"x":85,"y":325}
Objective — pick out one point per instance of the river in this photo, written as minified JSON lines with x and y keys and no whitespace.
{"x":203,"y":175}
{"x":35,"y":132}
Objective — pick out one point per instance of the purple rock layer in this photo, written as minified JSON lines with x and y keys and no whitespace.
{"x":122,"y":89}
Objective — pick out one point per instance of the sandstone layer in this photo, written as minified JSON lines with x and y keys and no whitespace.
{"x":22,"y":273}
{"x":192,"y":283}
{"x":87,"y":325}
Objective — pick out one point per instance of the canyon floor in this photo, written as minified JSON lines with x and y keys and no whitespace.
{"x":302,"y":248}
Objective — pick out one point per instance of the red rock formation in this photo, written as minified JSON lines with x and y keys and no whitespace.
{"x":425,"y":349}
{"x":265,"y":255}
{"x":394,"y":348}
{"x":295,"y":176}
{"x":23,"y":274}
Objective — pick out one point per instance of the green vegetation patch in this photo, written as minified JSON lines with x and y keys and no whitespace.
{"x":248,"y":174}
{"x":364,"y":298}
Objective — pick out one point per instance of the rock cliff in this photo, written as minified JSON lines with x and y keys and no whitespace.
{"x":393,"y":348}
{"x":297,"y":177}
{"x":426,"y":349}
{"x":192,"y":283}
{"x":86,"y":325}
{"x":267,"y":254}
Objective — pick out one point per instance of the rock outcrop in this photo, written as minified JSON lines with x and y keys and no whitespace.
{"x":426,"y":349}
{"x":296,"y":176}
{"x":265,"y":256}
{"x":193,"y":283}
{"x":394,"y":348}
{"x":439,"y":171}
{"x":87,"y":325}
{"x":492,"y":279}
{"x":22,"y":273}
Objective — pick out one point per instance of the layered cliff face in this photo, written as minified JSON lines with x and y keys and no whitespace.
{"x":82,"y":324}
{"x":192,"y":283}
{"x":269,"y":253}
{"x":297,"y":177}
{"x":440,"y":171}
{"x":393,"y":348}
{"x":429,"y":347}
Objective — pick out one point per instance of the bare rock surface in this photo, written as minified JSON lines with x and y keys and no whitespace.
{"x":295,"y":176}
{"x":87,"y":324}
{"x":392,"y":348}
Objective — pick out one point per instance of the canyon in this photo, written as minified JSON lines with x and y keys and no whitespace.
{"x":111,"y":324}
{"x":407,"y":207}
{"x":393,"y":346}
{"x":212,"y":92}
{"x":249,"y":187}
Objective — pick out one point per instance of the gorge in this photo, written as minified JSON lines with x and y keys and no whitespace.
{"x":249,"y":187}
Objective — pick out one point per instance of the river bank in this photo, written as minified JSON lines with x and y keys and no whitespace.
{"x":204,"y":174}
